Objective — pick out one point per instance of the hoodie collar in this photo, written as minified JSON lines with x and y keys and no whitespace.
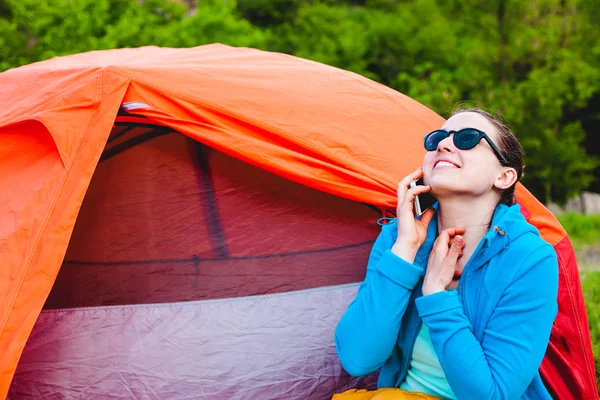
{"x":507,"y":224}
{"x":498,"y":237}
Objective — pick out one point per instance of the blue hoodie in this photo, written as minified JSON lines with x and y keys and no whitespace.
{"x":490,"y":334}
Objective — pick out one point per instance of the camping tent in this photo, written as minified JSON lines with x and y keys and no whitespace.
{"x":180,"y":223}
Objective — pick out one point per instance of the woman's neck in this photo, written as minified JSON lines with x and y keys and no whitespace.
{"x":475,"y":215}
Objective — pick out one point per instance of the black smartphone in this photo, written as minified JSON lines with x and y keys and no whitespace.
{"x":422,"y":201}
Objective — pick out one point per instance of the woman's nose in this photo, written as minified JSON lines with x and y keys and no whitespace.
{"x":446,"y":145}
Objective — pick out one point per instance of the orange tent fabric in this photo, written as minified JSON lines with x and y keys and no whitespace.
{"x":313,"y":124}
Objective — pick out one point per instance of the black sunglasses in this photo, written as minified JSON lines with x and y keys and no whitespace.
{"x":464,"y":139}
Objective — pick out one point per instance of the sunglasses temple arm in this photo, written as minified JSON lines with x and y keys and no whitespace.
{"x":496,"y":150}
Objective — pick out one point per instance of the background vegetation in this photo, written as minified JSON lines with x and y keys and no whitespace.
{"x":536,"y":61}
{"x":590,"y":280}
{"x":584,"y":230}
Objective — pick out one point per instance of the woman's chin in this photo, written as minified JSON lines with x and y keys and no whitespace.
{"x":443,"y":183}
{"x":445,"y":188}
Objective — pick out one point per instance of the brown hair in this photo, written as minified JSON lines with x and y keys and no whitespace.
{"x":509,"y":146}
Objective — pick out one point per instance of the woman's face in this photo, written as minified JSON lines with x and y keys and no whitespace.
{"x":451,"y":171}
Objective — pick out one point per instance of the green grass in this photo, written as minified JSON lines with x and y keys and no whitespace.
{"x":590,"y":281}
{"x":583,"y":230}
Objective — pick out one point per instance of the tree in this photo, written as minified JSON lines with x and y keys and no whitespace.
{"x":535,"y":61}
{"x":32,"y":30}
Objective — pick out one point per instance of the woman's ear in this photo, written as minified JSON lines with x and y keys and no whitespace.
{"x":506,"y":179}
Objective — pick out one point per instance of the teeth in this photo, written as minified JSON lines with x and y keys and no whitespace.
{"x":445,"y":164}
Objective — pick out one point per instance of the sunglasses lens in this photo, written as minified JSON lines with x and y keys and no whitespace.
{"x":434,"y":138}
{"x":466,"y":139}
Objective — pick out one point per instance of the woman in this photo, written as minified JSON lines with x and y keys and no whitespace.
{"x":458,"y":304}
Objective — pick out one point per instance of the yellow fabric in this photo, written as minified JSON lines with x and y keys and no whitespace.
{"x":382,"y":394}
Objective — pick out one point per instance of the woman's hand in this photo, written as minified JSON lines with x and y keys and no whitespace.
{"x":446,"y":251}
{"x":411,"y":231}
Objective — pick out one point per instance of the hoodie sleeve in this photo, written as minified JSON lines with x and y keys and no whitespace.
{"x":515,"y":339}
{"x":369,"y":329}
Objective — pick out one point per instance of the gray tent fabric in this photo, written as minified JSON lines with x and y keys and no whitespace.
{"x":277,"y":346}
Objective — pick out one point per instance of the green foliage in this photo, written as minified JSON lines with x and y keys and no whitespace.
{"x":535,"y":61}
{"x":334,"y":35}
{"x":215,"y":21}
{"x":269,"y":12}
{"x":13,"y":45}
{"x":37,"y":30}
{"x":132,"y":26}
{"x":590,"y":282}
{"x":583,"y":230}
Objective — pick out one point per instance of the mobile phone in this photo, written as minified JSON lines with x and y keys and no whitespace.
{"x":422,"y":201}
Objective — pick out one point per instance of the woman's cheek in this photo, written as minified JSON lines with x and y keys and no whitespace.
{"x":427,"y":164}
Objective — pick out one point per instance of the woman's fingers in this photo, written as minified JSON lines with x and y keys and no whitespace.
{"x":410,"y":195}
{"x":454,"y":253}
{"x":459,"y":230}
{"x":446,"y":237}
{"x":426,"y":217}
{"x":441,"y":243}
{"x":404,"y":184}
{"x":442,"y":262}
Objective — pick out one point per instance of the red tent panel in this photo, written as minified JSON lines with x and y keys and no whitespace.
{"x":168,"y":219}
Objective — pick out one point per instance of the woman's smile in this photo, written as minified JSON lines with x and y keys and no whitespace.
{"x":444,"y":164}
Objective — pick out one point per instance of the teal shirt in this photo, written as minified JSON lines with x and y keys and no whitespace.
{"x":425,"y":374}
